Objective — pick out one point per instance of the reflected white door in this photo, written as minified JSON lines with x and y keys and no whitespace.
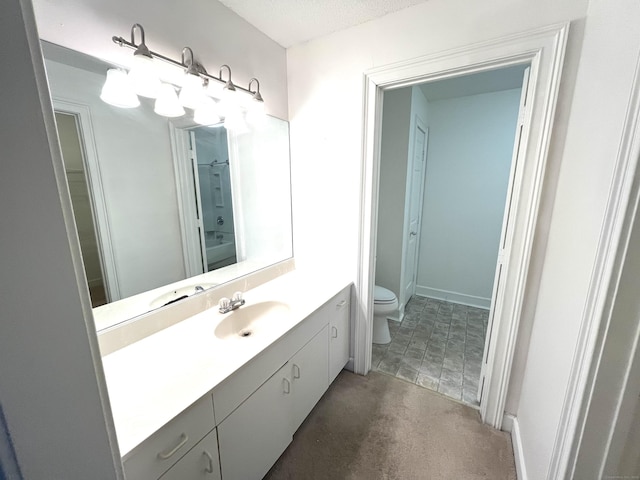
{"x":197,"y":199}
{"x":415,"y":183}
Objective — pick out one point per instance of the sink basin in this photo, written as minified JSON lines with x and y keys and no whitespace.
{"x":178,"y":293}
{"x":250,"y":319}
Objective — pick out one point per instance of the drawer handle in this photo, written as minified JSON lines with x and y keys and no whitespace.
{"x":287,"y":385}
{"x":334,"y":332}
{"x":341,"y":304}
{"x":296,"y":371}
{"x":184,"y":438}
{"x":209,"y":469}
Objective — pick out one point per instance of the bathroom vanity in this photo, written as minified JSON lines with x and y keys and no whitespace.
{"x":202,"y":400}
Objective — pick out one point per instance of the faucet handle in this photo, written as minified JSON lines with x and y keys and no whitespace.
{"x":237,"y":297}
{"x":224,"y":304}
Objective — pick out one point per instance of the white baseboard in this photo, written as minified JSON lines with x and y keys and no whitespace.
{"x":454,"y":297}
{"x":516,"y":441}
{"x":507,"y":422}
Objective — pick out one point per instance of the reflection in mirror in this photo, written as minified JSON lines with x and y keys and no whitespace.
{"x":75,"y":170}
{"x":165,"y":209}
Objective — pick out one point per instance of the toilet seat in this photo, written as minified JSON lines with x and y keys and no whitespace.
{"x":383,"y":296}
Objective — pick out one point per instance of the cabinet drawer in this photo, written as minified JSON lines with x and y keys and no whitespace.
{"x":201,"y":462}
{"x":164,"y":448}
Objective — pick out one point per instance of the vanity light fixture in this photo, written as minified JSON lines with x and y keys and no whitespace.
{"x":192,"y":92}
{"x":167,"y":103}
{"x":207,"y":112}
{"x":118,"y":91}
{"x":143,"y":74}
{"x":257,"y":103}
{"x":196,"y":89}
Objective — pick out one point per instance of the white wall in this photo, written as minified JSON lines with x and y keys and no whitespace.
{"x":325,"y":86}
{"x":470,"y":147}
{"x":608,"y":60}
{"x":136,"y":166}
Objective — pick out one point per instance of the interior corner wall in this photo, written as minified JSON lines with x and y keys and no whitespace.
{"x":394,"y":154}
{"x":468,"y":163}
{"x":609,"y":57}
{"x":216,"y":34}
{"x":52,"y":390}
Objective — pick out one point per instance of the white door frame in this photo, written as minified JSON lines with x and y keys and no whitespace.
{"x":544,"y":50}
{"x":96,"y":194}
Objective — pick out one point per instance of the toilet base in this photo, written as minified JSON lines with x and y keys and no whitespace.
{"x":381,"y":335}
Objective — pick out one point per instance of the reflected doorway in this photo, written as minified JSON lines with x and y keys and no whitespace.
{"x":212,"y":182}
{"x":76,"y":173}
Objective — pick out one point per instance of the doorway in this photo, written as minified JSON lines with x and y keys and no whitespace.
{"x":449,"y":209}
{"x":205,"y":200}
{"x":544,"y":50}
{"x":76,"y":172}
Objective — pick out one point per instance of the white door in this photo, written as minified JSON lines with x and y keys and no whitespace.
{"x":505,"y":237}
{"x":415,"y":183}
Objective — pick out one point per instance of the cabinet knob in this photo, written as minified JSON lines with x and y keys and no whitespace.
{"x":286,"y":384}
{"x":296,"y":371}
{"x":209,"y":468}
{"x":334,"y":332}
{"x":184,"y":438}
{"x":341,"y":304}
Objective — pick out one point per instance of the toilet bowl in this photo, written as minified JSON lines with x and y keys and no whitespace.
{"x":385,"y":303}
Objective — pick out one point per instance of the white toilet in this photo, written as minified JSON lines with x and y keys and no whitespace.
{"x":385,"y":303}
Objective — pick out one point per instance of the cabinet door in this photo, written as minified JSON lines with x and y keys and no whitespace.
{"x":309,"y":374}
{"x":200,"y":463}
{"x":254,"y":436}
{"x":339,"y":309}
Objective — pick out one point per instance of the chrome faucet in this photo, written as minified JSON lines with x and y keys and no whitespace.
{"x":225,"y":305}
{"x":198,"y":288}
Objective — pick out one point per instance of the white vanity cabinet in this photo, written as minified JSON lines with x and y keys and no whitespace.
{"x":240,"y":429}
{"x":309,"y":376}
{"x":258,"y":431}
{"x":338,"y":310}
{"x":200,"y":463}
{"x":163,"y":449}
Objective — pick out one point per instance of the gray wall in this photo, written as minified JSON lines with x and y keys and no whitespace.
{"x":470,"y":148}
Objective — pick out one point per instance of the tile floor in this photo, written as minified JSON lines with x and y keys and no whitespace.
{"x":438,"y":345}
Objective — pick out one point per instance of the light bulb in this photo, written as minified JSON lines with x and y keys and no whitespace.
{"x":207,"y":112}
{"x":235,"y":123}
{"x":118,"y":91}
{"x":144,"y":76}
{"x":167,"y":103}
{"x":192,"y":94}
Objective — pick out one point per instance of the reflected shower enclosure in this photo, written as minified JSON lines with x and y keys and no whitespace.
{"x":213,"y":195}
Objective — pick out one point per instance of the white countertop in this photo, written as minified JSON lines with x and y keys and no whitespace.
{"x":153,"y":380}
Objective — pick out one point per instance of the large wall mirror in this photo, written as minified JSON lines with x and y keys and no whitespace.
{"x":165,"y":208}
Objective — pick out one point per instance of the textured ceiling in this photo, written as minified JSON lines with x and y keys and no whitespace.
{"x":290,"y":22}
